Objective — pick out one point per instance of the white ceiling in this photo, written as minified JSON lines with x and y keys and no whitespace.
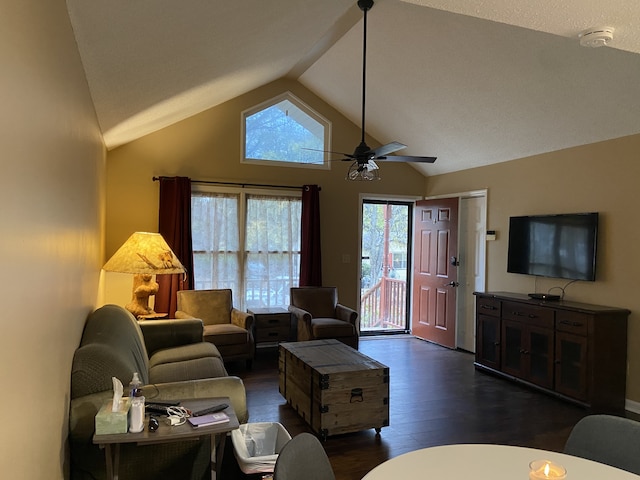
{"x":472,"y":83}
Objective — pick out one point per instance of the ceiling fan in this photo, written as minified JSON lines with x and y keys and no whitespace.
{"x":364,"y":166}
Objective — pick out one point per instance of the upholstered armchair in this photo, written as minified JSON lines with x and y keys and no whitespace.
{"x":228,"y":328}
{"x":320,"y":316}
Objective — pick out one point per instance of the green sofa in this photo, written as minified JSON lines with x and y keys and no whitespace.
{"x":173,"y":362}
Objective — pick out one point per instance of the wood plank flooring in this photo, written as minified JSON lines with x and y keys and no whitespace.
{"x":437,"y":398}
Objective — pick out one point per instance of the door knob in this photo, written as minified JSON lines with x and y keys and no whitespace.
{"x":451,"y":284}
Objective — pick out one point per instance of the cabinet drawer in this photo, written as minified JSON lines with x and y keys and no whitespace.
{"x":530,"y":314}
{"x":273,"y":320}
{"x":276,"y":334}
{"x":572,"y":322}
{"x":488,"y":306}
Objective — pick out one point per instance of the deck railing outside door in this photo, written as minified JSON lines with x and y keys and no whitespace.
{"x":383,"y":306}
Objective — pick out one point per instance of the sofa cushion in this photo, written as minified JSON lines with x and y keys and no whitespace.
{"x":183,"y":353}
{"x":194,"y":369}
{"x":112,"y":345}
{"x":226,"y":334}
{"x":331,"y":328}
{"x":318,"y":301}
{"x":188,"y":362}
{"x":212,"y":306}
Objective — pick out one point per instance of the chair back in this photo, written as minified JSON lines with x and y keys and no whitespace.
{"x":303,"y":458}
{"x":318,"y":301}
{"x":112,"y":345}
{"x":607,"y":439}
{"x":213,"y":307}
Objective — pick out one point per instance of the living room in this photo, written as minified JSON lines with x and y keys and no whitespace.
{"x":70,"y":204}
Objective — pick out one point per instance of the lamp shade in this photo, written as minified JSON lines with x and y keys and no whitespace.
{"x":144,"y":253}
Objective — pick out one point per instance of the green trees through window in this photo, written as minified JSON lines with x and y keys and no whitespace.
{"x":285,"y":130}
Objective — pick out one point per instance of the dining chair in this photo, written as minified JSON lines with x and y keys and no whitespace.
{"x":607,"y":439}
{"x":303,"y":458}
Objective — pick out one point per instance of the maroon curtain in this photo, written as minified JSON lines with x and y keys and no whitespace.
{"x":174,"y":224}
{"x":310,"y":258}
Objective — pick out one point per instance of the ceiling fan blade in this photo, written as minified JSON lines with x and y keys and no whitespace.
{"x":348,"y":155}
{"x":406,"y":158}
{"x":388,"y":148}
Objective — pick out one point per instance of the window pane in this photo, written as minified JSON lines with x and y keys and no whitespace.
{"x":286,"y":131}
{"x":272,"y":249}
{"x":216,"y":244}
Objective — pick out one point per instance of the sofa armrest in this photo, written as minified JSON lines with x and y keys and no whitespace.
{"x":231,"y":387}
{"x":347,"y":314}
{"x":180,"y":314}
{"x":161,"y":334}
{"x":304,"y":322}
{"x":242,"y":319}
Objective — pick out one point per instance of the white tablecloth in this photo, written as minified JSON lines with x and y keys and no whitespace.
{"x":487,"y":462}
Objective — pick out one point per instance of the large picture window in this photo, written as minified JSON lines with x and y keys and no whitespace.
{"x":248,"y":241}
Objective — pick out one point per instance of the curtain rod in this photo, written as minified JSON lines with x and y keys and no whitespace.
{"x":243,"y":185}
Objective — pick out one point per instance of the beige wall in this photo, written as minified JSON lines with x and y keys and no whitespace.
{"x":601,"y":177}
{"x":50,"y":230}
{"x":207,"y":147}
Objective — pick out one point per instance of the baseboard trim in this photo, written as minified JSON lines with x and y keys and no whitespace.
{"x":631,"y":406}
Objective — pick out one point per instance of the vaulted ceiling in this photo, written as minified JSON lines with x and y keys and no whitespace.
{"x":472,"y":83}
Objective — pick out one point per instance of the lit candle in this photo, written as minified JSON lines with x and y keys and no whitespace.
{"x":546,"y":470}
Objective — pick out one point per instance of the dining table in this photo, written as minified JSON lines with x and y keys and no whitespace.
{"x":490,"y":462}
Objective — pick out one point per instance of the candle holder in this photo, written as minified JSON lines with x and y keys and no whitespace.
{"x":546,"y":470}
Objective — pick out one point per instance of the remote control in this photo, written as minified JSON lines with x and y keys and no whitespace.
{"x":213,"y":409}
{"x":156,"y":408}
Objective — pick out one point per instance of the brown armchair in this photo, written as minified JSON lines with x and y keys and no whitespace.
{"x":320,"y":315}
{"x":228,"y":328}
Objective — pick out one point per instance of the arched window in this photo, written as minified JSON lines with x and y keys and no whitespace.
{"x":285,"y":131}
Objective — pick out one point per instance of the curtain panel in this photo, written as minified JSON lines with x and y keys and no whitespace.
{"x":310,"y":251}
{"x":174,"y":224}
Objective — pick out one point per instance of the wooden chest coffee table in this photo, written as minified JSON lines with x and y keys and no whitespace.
{"x":333,"y":387}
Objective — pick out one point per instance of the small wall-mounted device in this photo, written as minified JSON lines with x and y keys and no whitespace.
{"x":491,"y":235}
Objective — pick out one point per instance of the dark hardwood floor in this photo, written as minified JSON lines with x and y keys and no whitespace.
{"x":436,"y":398}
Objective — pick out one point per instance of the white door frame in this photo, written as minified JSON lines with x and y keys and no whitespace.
{"x":377,"y":197}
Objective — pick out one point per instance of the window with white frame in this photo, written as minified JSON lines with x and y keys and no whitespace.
{"x":284,"y":130}
{"x":247,"y":241}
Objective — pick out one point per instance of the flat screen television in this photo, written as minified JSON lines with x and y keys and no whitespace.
{"x":558,"y":246}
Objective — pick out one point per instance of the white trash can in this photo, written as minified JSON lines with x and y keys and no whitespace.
{"x":256,"y":446}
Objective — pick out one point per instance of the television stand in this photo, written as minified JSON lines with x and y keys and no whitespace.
{"x":544,"y":296}
{"x":575,"y":351}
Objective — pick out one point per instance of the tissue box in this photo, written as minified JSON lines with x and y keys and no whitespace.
{"x":108,"y":422}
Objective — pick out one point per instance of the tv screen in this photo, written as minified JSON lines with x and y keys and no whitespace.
{"x":559,"y":246}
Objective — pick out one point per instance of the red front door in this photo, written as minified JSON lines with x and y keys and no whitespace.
{"x":435,"y":271}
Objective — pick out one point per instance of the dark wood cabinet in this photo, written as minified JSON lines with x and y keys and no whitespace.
{"x":488,"y":331}
{"x":573,"y":350}
{"x":272,"y":325}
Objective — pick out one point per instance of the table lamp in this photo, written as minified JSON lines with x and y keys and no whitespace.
{"x":144,"y":255}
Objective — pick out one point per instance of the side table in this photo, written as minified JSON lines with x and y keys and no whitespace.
{"x":273,"y":325}
{"x":165,"y":434}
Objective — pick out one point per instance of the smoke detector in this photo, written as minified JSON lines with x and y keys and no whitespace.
{"x":596,"y":37}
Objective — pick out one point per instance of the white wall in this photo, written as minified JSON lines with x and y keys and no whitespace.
{"x":51,"y":225}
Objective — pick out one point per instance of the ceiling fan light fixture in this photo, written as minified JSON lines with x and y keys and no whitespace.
{"x":362,"y":172}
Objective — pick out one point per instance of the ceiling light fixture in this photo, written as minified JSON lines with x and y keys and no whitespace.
{"x":363,"y":171}
{"x":596,"y":37}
